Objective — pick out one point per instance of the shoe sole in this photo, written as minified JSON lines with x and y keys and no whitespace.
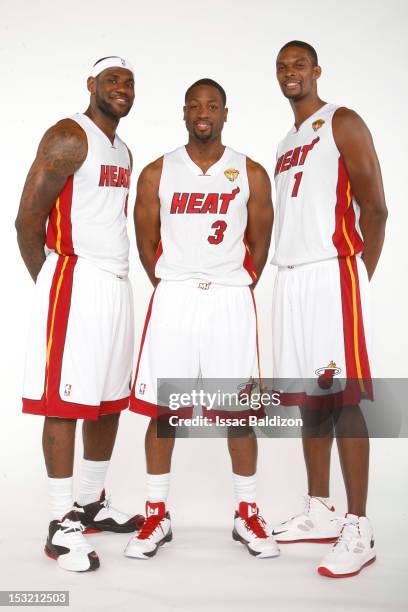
{"x":254,"y":553}
{"x":149,"y":555}
{"x":323,"y":571}
{"x":309,"y":541}
{"x":93,"y":561}
{"x":134,"y":525}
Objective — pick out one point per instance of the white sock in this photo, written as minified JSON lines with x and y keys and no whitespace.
{"x":61,"y":497}
{"x":157,"y":486}
{"x":93,"y":474}
{"x":244,"y":488}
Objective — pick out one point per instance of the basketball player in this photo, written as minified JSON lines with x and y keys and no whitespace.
{"x":330,"y":221}
{"x":199,"y":211}
{"x":71,"y":229}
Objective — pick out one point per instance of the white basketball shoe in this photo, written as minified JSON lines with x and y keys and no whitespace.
{"x":353,"y":550}
{"x":249,"y":529}
{"x":317,"y":523}
{"x":68,"y":547}
{"x":155,"y":532}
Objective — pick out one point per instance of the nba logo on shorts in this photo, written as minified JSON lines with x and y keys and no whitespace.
{"x":67,"y":390}
{"x":142,"y":388}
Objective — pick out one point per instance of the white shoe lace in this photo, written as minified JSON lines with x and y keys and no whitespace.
{"x":74,"y":529}
{"x":107,"y":502}
{"x":347,"y":534}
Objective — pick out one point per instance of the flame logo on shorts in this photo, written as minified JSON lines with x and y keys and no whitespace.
{"x":327,"y":374}
{"x":316,"y":125}
{"x":231,"y":174}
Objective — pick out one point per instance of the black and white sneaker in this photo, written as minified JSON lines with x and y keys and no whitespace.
{"x":68,"y":547}
{"x":101,"y":516}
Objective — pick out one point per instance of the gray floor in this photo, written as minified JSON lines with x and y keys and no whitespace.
{"x":206,"y":570}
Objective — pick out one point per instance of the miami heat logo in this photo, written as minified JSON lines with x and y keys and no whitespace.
{"x":245,"y":390}
{"x":316,"y":125}
{"x":231,"y":174}
{"x":327,"y":374}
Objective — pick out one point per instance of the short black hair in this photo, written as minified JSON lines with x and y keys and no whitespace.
{"x":211,"y":83}
{"x":304,"y":45}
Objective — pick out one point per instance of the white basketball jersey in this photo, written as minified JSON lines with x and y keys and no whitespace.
{"x":316,"y":215}
{"x":204,"y":219}
{"x":89,"y":216}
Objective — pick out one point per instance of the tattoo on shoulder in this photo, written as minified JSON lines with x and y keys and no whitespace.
{"x":63,"y":148}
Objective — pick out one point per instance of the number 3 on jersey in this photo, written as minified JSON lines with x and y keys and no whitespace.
{"x":298,"y":178}
{"x":220,"y":227}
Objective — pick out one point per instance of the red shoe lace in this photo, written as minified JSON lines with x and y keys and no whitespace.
{"x":149,"y":526}
{"x":256,"y":524}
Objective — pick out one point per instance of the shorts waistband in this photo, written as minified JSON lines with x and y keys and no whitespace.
{"x":199,"y":283}
{"x":85,"y":263}
{"x":313,"y":263}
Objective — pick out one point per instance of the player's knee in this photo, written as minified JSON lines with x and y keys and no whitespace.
{"x":241,"y":431}
{"x":350,"y":422}
{"x":316,"y":422}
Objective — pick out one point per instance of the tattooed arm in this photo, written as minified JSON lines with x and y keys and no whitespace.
{"x":61,"y":152}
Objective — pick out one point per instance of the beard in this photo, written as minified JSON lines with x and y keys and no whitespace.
{"x":202,"y":137}
{"x":294,"y":96}
{"x":108,"y":109}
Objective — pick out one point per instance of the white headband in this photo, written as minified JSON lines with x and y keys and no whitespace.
{"x":111,"y":62}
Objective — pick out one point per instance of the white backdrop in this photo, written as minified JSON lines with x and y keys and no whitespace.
{"x":47,"y":48}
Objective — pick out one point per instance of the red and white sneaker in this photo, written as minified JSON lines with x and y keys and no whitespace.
{"x":317,"y":523}
{"x":353,"y":550}
{"x":102,"y":516}
{"x":155,"y":532}
{"x":249,"y":529}
{"x":68,"y":547}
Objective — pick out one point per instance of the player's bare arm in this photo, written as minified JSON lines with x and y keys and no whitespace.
{"x":61,"y":152}
{"x":354,"y":141}
{"x":130,"y":159}
{"x":260,"y":216}
{"x":147,"y":216}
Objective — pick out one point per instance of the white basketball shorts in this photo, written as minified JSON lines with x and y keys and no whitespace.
{"x":80,"y":348}
{"x":195,"y":330}
{"x":321,"y":328}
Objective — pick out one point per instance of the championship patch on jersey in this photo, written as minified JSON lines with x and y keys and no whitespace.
{"x":316,"y":125}
{"x":231,"y":174}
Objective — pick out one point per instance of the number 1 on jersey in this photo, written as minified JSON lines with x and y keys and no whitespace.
{"x":298,"y":178}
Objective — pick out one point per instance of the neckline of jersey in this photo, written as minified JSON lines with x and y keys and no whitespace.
{"x":296,"y":131}
{"x":114,"y":145}
{"x":215,"y":168}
